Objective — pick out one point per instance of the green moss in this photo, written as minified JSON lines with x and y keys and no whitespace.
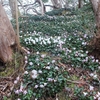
{"x":12,"y":66}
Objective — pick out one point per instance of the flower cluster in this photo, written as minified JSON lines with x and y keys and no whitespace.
{"x":97,"y":96}
{"x":42,"y":77}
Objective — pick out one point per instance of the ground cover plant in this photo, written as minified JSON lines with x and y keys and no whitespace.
{"x":58,"y":62}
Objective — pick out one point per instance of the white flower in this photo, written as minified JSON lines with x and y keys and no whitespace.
{"x":17,"y":92}
{"x":85,"y":93}
{"x":55,"y":80}
{"x":99,"y":67}
{"x":55,"y":41}
{"x":40,"y":71}
{"x":34,"y":72}
{"x":41,"y":86}
{"x":97,"y":60}
{"x":34,"y":76}
{"x":85,"y":35}
{"x":36,"y":86}
{"x":99,"y":93}
{"x":53,"y":61}
{"x":74,"y":48}
{"x":35,"y":98}
{"x":48,"y":41}
{"x":18,"y":99}
{"x":45,"y":84}
{"x":28,"y":52}
{"x":48,"y":67}
{"x":69,"y":39}
{"x":15,"y":82}
{"x":18,"y":78}
{"x":26,"y":61}
{"x":50,"y":79}
{"x":33,"y":41}
{"x":91,"y":88}
{"x":69,"y":69}
{"x":95,"y":76}
{"x":36,"y":39}
{"x":92,"y":74}
{"x":48,"y":63}
{"x":44,"y":42}
{"x":94,"y":97}
{"x":30,"y":63}
{"x":26,"y":57}
{"x":25,"y":92}
{"x":56,"y":68}
{"x":99,"y":98}
{"x":26,"y":72}
{"x":43,"y":55}
{"x":86,"y":51}
{"x":37,"y":52}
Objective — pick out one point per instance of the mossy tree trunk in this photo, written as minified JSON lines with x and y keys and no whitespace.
{"x":95,"y":42}
{"x":96,"y":9}
{"x":8,"y":38}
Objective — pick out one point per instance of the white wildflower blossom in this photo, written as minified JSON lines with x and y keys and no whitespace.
{"x":94,"y":97}
{"x":45,"y":84}
{"x":48,"y":67}
{"x":26,"y":61}
{"x":18,"y":99}
{"x":50,"y":79}
{"x":55,"y":80}
{"x":36,"y":39}
{"x":97,"y":60}
{"x":86,"y":51}
{"x":16,"y":81}
{"x":53,"y":61}
{"x":36,"y":86}
{"x":99,"y":67}
{"x":92,"y":74}
{"x":41,"y":86}
{"x":18,"y":78}
{"x":59,"y":37}
{"x":34,"y":72}
{"x":69,"y":39}
{"x":91,"y":88}
{"x":99,"y":98}
{"x":40,"y":71}
{"x":26,"y":72}
{"x":48,"y":63}
{"x":17,"y":92}
{"x":28,"y":52}
{"x":56,"y":68}
{"x":43,"y":55}
{"x":34,"y":76}
{"x":31,"y":63}
{"x":95,"y":76}
{"x":85,"y":93}
{"x":33,"y":41}
{"x":26,"y":57}
{"x":24,"y":92}
{"x":37,"y":52}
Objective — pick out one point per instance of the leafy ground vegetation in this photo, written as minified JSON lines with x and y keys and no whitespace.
{"x":59,"y":63}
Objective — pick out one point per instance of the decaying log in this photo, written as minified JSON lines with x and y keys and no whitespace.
{"x":7,"y":37}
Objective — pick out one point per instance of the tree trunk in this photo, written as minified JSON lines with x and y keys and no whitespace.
{"x":43,"y":10}
{"x":12,"y":4}
{"x":96,"y":8}
{"x":8,"y":39}
{"x":80,"y":3}
{"x":56,"y":4}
